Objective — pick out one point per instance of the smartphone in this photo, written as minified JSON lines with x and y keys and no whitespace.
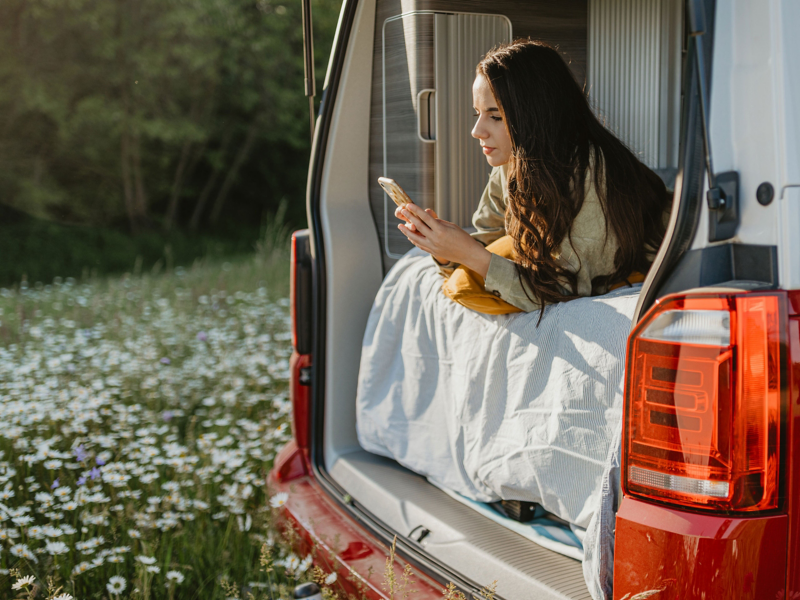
{"x":396,"y":193}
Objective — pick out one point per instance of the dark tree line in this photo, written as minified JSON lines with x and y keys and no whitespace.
{"x":155,"y":113}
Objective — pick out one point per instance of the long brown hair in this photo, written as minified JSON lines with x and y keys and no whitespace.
{"x":555,"y":138}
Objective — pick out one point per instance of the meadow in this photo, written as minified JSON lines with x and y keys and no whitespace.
{"x":139,"y":417}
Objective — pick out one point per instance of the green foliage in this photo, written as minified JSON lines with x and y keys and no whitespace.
{"x":147,"y":113}
{"x":37,"y":250}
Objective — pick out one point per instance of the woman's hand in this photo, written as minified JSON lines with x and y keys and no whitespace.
{"x":443,"y":240}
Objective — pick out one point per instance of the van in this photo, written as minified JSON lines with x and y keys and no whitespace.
{"x":706,"y":93}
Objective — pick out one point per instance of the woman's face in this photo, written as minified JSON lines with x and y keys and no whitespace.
{"x":490,"y":128}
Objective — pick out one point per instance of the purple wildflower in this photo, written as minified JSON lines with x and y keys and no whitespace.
{"x":99,"y":461}
{"x":80,"y":453}
{"x":94,"y":473}
{"x":81,"y":480}
{"x":164,"y":361}
{"x":55,"y":484}
{"x":167,"y":415}
{"x":202,"y":336}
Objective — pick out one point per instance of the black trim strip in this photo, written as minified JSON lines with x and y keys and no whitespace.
{"x":725,"y":263}
{"x":302,"y":292}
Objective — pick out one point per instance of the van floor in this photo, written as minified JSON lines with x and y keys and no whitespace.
{"x":459,"y":537}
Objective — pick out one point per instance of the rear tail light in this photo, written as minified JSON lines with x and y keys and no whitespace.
{"x":704,"y":405}
{"x":300,"y":302}
{"x":300,"y":365}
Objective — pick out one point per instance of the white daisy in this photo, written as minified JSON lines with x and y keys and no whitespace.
{"x":175,"y":576}
{"x":304,"y":564}
{"x":116,"y":585}
{"x":244,"y":524}
{"x":52,"y":532}
{"x":81,"y":568}
{"x":146,"y":560}
{"x":279,"y":500}
{"x":23,"y":582}
{"x":56,"y":548}
{"x":22,"y":551}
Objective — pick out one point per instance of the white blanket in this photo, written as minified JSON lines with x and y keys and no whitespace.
{"x":496,"y":407}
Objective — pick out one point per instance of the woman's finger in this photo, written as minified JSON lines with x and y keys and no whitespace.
{"x":398,"y":212}
{"x":408,"y":228}
{"x":415,"y":238}
{"x":427,"y":219}
{"x":412,"y":217}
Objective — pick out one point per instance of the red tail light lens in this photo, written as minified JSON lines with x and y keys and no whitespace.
{"x":704,"y":402}
{"x":300,"y":365}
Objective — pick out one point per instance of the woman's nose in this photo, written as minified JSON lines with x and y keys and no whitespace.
{"x":478,"y":132}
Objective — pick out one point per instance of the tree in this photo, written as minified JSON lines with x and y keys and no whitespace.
{"x":154,"y":112}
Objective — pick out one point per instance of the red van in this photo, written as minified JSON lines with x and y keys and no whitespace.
{"x":708,"y":94}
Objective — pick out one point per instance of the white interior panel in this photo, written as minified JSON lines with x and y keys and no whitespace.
{"x":789,"y":249}
{"x":634,"y":68}
{"x":786,"y":20}
{"x":352,"y":250}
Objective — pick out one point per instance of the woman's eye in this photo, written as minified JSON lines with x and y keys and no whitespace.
{"x":497,"y":118}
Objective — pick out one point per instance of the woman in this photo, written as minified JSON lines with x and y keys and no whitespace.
{"x":582,"y":211}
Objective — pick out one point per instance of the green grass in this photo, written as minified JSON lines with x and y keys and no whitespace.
{"x":139,"y":417}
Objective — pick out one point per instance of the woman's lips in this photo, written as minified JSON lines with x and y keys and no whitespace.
{"x":487,"y":149}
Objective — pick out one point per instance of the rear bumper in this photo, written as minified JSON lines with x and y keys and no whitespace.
{"x":341,"y":544}
{"x":686,"y":555}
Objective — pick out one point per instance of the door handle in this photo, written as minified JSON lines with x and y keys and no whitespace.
{"x":426,"y":115}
